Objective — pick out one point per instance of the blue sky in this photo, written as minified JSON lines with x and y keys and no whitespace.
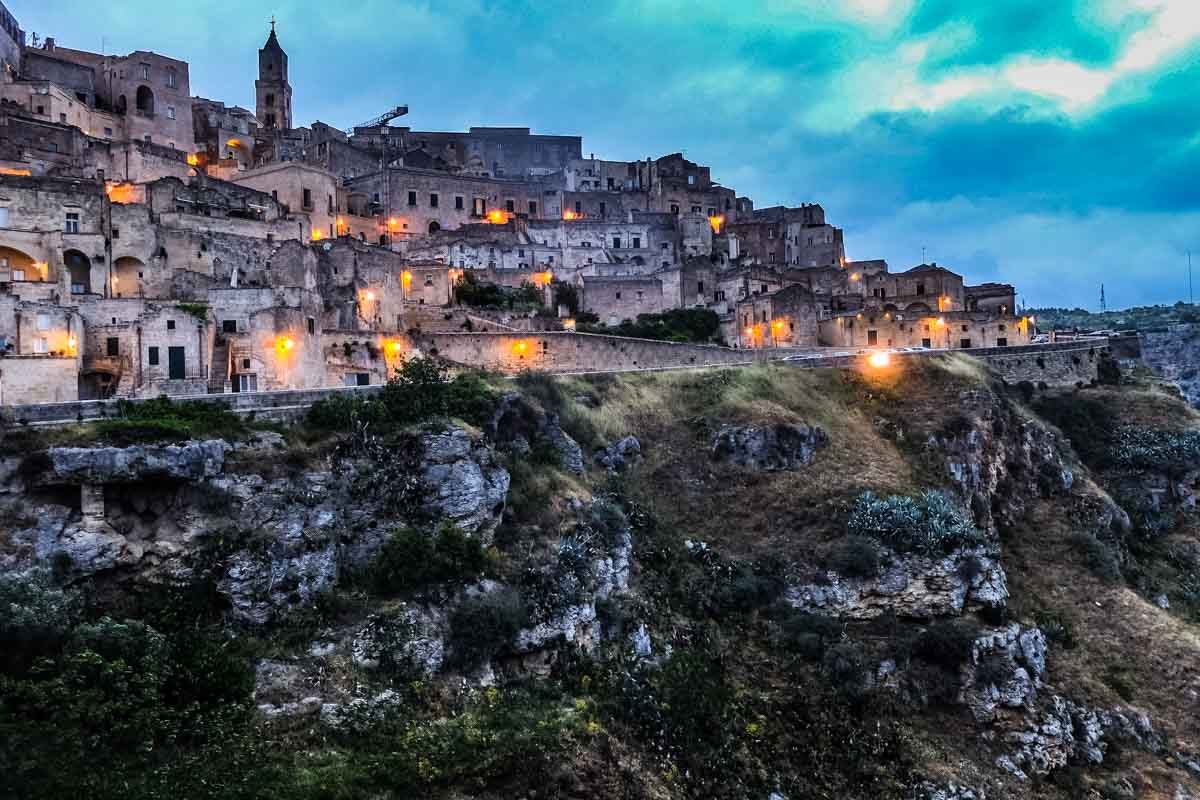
{"x":1051,"y":143}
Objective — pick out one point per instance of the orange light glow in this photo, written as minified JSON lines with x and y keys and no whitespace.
{"x":284,"y":344}
{"x":568,"y":324}
{"x":394,"y":346}
{"x":15,"y":172}
{"x":121,"y":192}
{"x":193,"y":160}
{"x":541,"y":279}
{"x":42,"y":267}
{"x":716,"y":222}
{"x":317,"y":235}
{"x":879,"y":360}
{"x":234,"y":143}
{"x":393,"y":223}
{"x":369,"y":296}
{"x":941,"y":322}
{"x":943,"y":303}
{"x":497,"y":217}
{"x":570,"y":215}
{"x":406,"y":279}
{"x":520,"y":347}
{"x":854,"y":276}
{"x":777,"y":325}
{"x":71,"y":342}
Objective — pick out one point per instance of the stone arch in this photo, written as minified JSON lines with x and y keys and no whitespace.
{"x":890,"y":307}
{"x":80,"y":269}
{"x":127,"y":276}
{"x":434,"y":226}
{"x":14,"y":263}
{"x":918,"y":308}
{"x":122,"y":104}
{"x":145,"y":100}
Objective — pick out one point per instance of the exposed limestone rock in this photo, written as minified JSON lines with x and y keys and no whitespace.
{"x":915,"y":586}
{"x":518,"y":425}
{"x":620,"y":456}
{"x":410,"y":641}
{"x":951,"y":791}
{"x":1005,"y":670}
{"x":191,"y":461}
{"x":767,"y":448}
{"x":463,"y":483}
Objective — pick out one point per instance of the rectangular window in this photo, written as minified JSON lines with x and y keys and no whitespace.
{"x":229,"y":326}
{"x":1002,"y":342}
{"x":872,"y":338}
{"x":357,"y":379}
{"x":533,"y":208}
{"x":616,"y":242}
{"x":116,"y":233}
{"x":170,"y":324}
{"x":458,"y":202}
{"x":964,"y":343}
{"x":18,"y":274}
{"x":603,"y":208}
{"x":578,"y":207}
{"x":695,"y":209}
{"x":112,"y":346}
{"x":433,"y":200}
{"x":41,"y":345}
{"x":926,"y":343}
{"x":412,"y":198}
{"x":43,"y":322}
{"x":306,"y":199}
{"x":153,"y":356}
{"x":674,"y":208}
{"x":510,"y":206}
{"x":171,"y":80}
{"x":145,"y":72}
{"x":478,"y":206}
{"x":176,"y":363}
{"x":312,"y":325}
{"x":108,"y":132}
{"x":72,"y":225}
{"x":246,"y":383}
{"x":637,"y":243}
{"x":170,"y":112}
{"x":62,"y":118}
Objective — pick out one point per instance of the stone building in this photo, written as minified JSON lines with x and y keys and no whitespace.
{"x":272,"y":90}
{"x":926,"y":287}
{"x":619,"y":298}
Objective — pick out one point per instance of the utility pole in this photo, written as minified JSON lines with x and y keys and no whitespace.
{"x":1103,"y":305}
{"x":1191,"y":299}
{"x":922,"y":254}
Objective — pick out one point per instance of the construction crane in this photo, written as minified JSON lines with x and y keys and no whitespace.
{"x":382,"y":119}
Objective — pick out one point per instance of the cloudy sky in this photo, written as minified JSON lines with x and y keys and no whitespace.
{"x":1051,"y":143}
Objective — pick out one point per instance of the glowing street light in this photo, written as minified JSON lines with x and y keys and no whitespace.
{"x":880,"y":359}
{"x":284,"y":344}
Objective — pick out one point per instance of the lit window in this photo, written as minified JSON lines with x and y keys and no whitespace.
{"x":72,"y":225}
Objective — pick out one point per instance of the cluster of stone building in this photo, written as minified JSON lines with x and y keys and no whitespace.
{"x":152,"y":241}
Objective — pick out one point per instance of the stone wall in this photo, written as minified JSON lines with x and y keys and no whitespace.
{"x":38,"y":379}
{"x":563,"y":351}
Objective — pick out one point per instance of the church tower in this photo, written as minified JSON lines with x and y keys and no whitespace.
{"x":273,"y":93}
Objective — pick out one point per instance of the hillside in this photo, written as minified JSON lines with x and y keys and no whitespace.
{"x":757,"y":582}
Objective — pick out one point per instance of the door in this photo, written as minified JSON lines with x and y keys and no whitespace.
{"x":176,"y":369}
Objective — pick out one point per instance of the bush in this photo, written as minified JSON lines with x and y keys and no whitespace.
{"x":808,"y":634}
{"x":470,"y":291}
{"x":163,"y":420}
{"x":412,"y":559}
{"x":1156,"y":450}
{"x":947,"y":643}
{"x":846,"y":665}
{"x":675,"y":325}
{"x":931,"y":523}
{"x":1108,"y":372}
{"x":854,"y":557}
{"x":35,"y":618}
{"x":484,"y":624}
{"x":1097,"y":555}
{"x":1089,"y":424}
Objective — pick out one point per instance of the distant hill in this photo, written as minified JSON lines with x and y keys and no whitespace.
{"x":1139,"y":318}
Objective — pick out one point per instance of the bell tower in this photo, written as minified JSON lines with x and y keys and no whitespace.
{"x":273,"y":93}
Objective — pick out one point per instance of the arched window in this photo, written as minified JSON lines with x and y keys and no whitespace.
{"x":434,"y":226}
{"x":81,"y":271}
{"x":145,"y":101}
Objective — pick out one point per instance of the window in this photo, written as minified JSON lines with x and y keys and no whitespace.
{"x":176,"y":363}
{"x":616,"y":242}
{"x":920,"y":288}
{"x":610,"y":183}
{"x":18,"y":274}
{"x":306,"y":199}
{"x":637,"y":243}
{"x":72,"y":225}
{"x":41,"y":345}
{"x":172,"y":79}
{"x":170,"y":112}
{"x":695,"y":209}
{"x":112,"y":347}
{"x":618,"y":295}
{"x":170,"y":324}
{"x":41,"y":110}
{"x":603,"y":208}
{"x":153,"y":356}
{"x":229,"y":326}
{"x":700,"y":287}
{"x":357,"y":379}
{"x":145,"y":71}
{"x":329,"y":203}
{"x":62,"y":118}
{"x":433,"y":200}
{"x":108,"y":132}
{"x":926,"y":343}
{"x":269,"y":100}
{"x":412,"y":198}
{"x":246,"y":383}
{"x":578,"y":207}
{"x":1002,"y":342}
{"x":43,"y":322}
{"x":872,"y":338}
{"x":312,"y":325}
{"x":674,"y":208}
{"x":665,"y":245}
{"x":640,"y":295}
{"x":691,"y":180}
{"x":478,"y":206}
{"x":458,"y":202}
{"x":533,"y":208}
{"x":510,"y":206}
{"x":245,"y":363}
{"x":116,"y":233}
{"x":964,"y":343}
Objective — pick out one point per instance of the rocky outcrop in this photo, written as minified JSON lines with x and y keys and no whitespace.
{"x":913,"y":586}
{"x":1005,"y":671}
{"x":409,"y":641}
{"x":191,"y":461}
{"x":1175,"y":355}
{"x":462,"y":481}
{"x":519,"y":426}
{"x":1066,"y":732}
{"x":768,"y":448}
{"x":620,"y":456}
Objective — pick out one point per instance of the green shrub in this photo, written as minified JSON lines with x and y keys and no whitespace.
{"x":411,"y":560}
{"x":846,"y":665}
{"x":808,"y":634}
{"x":1108,"y":372}
{"x":1097,"y":556}
{"x":1155,"y":450}
{"x":484,"y":624}
{"x":854,"y":557}
{"x":35,"y":617}
{"x":947,"y":643}
{"x":161,"y":419}
{"x":931,"y":523}
{"x":675,"y":325}
{"x":1088,"y":422}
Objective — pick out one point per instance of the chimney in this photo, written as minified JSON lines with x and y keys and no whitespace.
{"x":49,"y":46}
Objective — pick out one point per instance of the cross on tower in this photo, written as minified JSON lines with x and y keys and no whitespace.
{"x":272,"y":23}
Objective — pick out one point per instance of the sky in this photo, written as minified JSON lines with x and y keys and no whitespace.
{"x":1052,"y":144}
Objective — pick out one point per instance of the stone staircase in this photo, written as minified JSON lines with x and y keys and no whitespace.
{"x":218,"y":374}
